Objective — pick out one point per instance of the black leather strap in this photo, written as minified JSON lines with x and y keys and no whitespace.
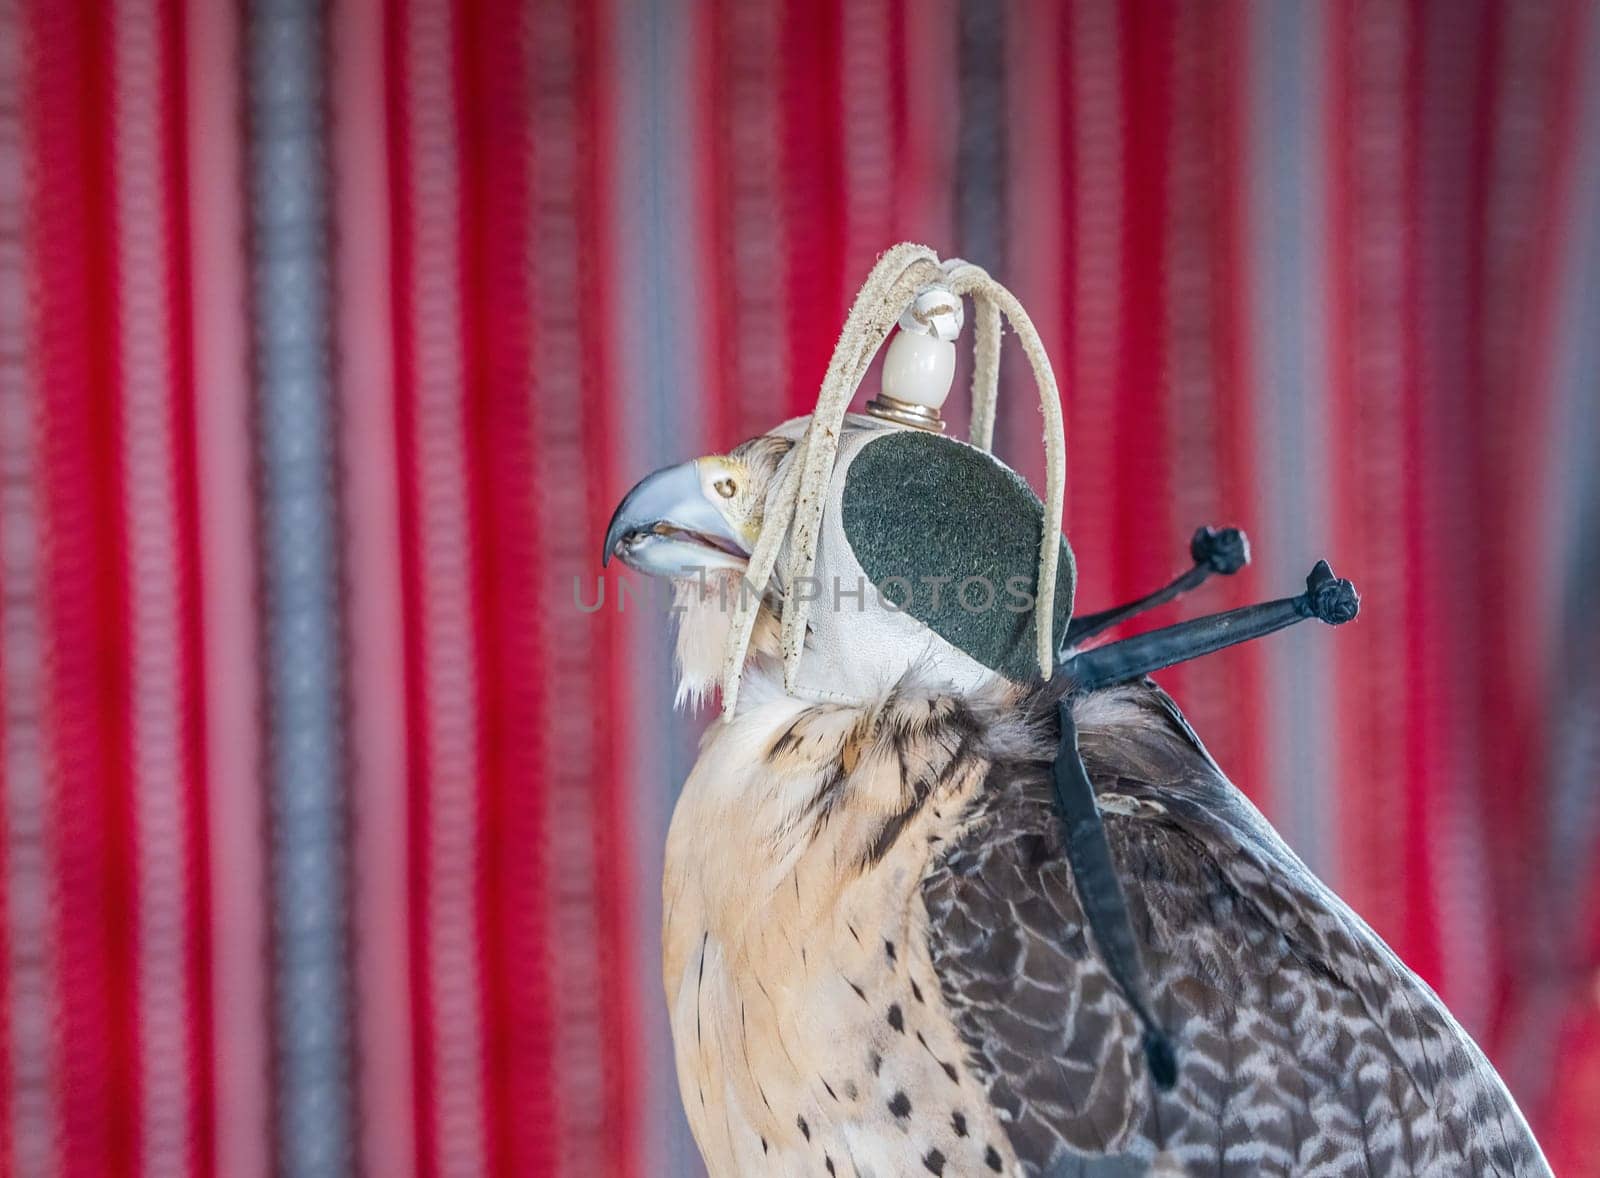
{"x":1104,"y":905}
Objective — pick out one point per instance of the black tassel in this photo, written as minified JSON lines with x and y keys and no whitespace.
{"x":1213,"y":550}
{"x":1327,"y":598}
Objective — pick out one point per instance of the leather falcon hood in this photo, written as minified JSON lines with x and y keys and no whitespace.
{"x":927,"y":556}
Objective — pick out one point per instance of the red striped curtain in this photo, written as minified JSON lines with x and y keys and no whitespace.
{"x":331,"y":813}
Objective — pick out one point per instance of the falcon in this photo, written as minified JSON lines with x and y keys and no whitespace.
{"x":953,"y":887}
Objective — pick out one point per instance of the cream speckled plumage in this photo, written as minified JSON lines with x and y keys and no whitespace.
{"x":793,"y":949}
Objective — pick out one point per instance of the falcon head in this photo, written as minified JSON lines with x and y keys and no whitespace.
{"x":695,"y":525}
{"x":926,"y":557}
{"x":699,"y":517}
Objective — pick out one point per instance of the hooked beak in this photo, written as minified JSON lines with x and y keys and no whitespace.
{"x":666,"y":527}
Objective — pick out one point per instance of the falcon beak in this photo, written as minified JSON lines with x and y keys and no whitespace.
{"x":667,"y":527}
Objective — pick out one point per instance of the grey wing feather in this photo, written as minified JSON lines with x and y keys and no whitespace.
{"x":1305,"y":1045}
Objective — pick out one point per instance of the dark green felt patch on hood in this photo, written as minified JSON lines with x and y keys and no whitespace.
{"x":951,"y":536}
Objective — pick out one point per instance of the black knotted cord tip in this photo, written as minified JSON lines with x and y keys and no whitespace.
{"x":1222,"y":550}
{"x":1214,"y":551}
{"x":1104,"y":905}
{"x":1330,"y":599}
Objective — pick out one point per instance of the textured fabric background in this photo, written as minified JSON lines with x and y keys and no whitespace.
{"x":330,"y":824}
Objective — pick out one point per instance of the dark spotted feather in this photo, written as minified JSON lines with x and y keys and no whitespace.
{"x":1305,"y":1046}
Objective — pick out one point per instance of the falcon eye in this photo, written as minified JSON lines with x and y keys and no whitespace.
{"x":725,"y":488}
